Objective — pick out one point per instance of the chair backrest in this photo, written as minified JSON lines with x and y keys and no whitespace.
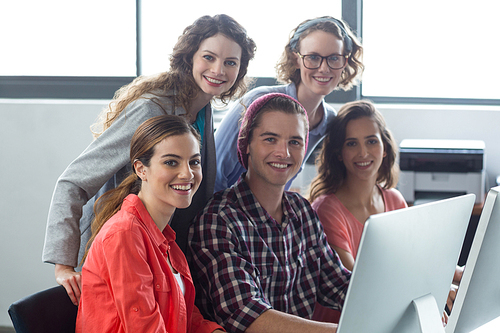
{"x":50,"y":310}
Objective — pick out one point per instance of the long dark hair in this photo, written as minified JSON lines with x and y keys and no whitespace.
{"x":142,"y":148}
{"x":331,"y":170}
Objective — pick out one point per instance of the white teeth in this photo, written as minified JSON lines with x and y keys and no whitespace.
{"x":363,"y":164}
{"x":209,"y":79}
{"x":279,"y":166}
{"x":322,"y":79}
{"x":182,"y":187}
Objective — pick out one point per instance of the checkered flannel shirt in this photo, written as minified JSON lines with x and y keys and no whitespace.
{"x":243,"y":262}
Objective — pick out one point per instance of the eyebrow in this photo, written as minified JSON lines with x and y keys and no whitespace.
{"x":296,"y":137}
{"x":177,"y":156}
{"x":366,"y":137}
{"x":215,"y":54}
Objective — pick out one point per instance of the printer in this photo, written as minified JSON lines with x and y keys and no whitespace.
{"x":438,"y":169}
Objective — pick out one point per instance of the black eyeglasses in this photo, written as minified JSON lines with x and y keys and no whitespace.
{"x":314,"y":61}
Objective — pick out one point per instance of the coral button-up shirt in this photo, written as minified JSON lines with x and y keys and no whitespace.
{"x":127,"y":284}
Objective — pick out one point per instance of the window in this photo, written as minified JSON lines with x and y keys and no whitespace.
{"x":68,"y":38}
{"x":431,"y":49}
{"x":268,"y":23}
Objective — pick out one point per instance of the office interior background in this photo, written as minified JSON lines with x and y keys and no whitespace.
{"x":431,"y":68}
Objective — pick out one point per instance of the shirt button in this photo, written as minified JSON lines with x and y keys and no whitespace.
{"x":157,"y":286}
{"x":135,"y":309}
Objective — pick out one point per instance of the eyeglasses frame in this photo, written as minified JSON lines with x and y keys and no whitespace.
{"x":322,"y":58}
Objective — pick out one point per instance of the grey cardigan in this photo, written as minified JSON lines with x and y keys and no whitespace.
{"x":101,"y":167}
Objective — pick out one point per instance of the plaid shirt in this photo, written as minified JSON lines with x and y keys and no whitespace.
{"x":243,"y":262}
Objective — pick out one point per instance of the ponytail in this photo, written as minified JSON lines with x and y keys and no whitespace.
{"x":109,"y":204}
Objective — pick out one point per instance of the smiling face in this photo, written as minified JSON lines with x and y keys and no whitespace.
{"x":276,"y":149}
{"x":216,"y":65}
{"x":173,"y":175}
{"x":363,"y":149}
{"x":323,"y":80}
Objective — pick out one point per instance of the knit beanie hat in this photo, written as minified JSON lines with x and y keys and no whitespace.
{"x":248,"y":118}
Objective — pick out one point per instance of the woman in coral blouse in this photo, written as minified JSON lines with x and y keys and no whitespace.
{"x":135,"y":277}
{"x":357,"y":173}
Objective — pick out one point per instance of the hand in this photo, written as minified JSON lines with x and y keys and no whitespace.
{"x":70,"y":280}
{"x":459,"y":272}
{"x":444,"y":319}
{"x":218,"y":331}
{"x":451,"y":297}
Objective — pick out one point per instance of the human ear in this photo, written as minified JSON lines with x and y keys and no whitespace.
{"x":140,"y":169}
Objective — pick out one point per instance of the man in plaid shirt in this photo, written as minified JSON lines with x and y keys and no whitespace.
{"x":259,"y":257}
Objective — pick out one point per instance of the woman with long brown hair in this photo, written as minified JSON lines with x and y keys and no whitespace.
{"x":357,"y":173}
{"x":135,"y":277}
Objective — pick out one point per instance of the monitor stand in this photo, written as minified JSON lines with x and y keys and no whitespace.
{"x":423,"y":316}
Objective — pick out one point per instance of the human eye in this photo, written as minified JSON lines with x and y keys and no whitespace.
{"x":171,"y":163}
{"x":313,"y":57}
{"x":231,"y":63}
{"x":350,"y":143}
{"x":270,"y":139}
{"x":208,"y":57}
{"x":295,"y":142}
{"x":195,"y":162}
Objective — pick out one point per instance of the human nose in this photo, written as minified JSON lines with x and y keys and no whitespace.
{"x":282,"y":150}
{"x":323,"y":66}
{"x":363,"y":150}
{"x":218,"y":68}
{"x":186,"y":172}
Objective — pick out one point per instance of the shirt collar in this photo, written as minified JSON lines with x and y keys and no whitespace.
{"x":252,"y":207}
{"x":134,"y":205}
{"x":320,"y":129}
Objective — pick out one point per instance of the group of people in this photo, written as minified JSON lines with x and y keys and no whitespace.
{"x":161,"y":214}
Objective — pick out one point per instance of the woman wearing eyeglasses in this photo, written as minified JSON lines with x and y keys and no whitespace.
{"x":322,"y":55}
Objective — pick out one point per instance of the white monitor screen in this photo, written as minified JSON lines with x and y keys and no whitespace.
{"x":406,"y":257}
{"x":478,"y":297}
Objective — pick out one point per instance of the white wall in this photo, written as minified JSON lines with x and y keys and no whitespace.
{"x":38,"y":139}
{"x":449,"y":122}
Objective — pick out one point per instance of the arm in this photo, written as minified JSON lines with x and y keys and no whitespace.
{"x":273,"y":321}
{"x":70,"y":280}
{"x":126,"y":268}
{"x":344,"y":256}
{"x":83,"y":178}
{"x":228,"y":168}
{"x":228,"y":290}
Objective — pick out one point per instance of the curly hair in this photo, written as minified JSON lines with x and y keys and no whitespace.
{"x":331,"y":170}
{"x":178,"y":83}
{"x":286,"y":68}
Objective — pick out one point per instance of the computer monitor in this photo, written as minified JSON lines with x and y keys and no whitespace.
{"x":478,"y":298}
{"x":404,"y":268}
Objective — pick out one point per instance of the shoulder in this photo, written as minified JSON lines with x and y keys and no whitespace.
{"x":301,"y":205}
{"x":393,"y":199}
{"x":257,"y":92}
{"x":222,"y":204}
{"x":328,"y":206}
{"x":119,"y":226}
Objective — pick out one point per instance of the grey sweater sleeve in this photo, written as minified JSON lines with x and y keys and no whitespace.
{"x":81,"y":180}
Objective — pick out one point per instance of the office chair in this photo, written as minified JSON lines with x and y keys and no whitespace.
{"x":47,"y":311}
